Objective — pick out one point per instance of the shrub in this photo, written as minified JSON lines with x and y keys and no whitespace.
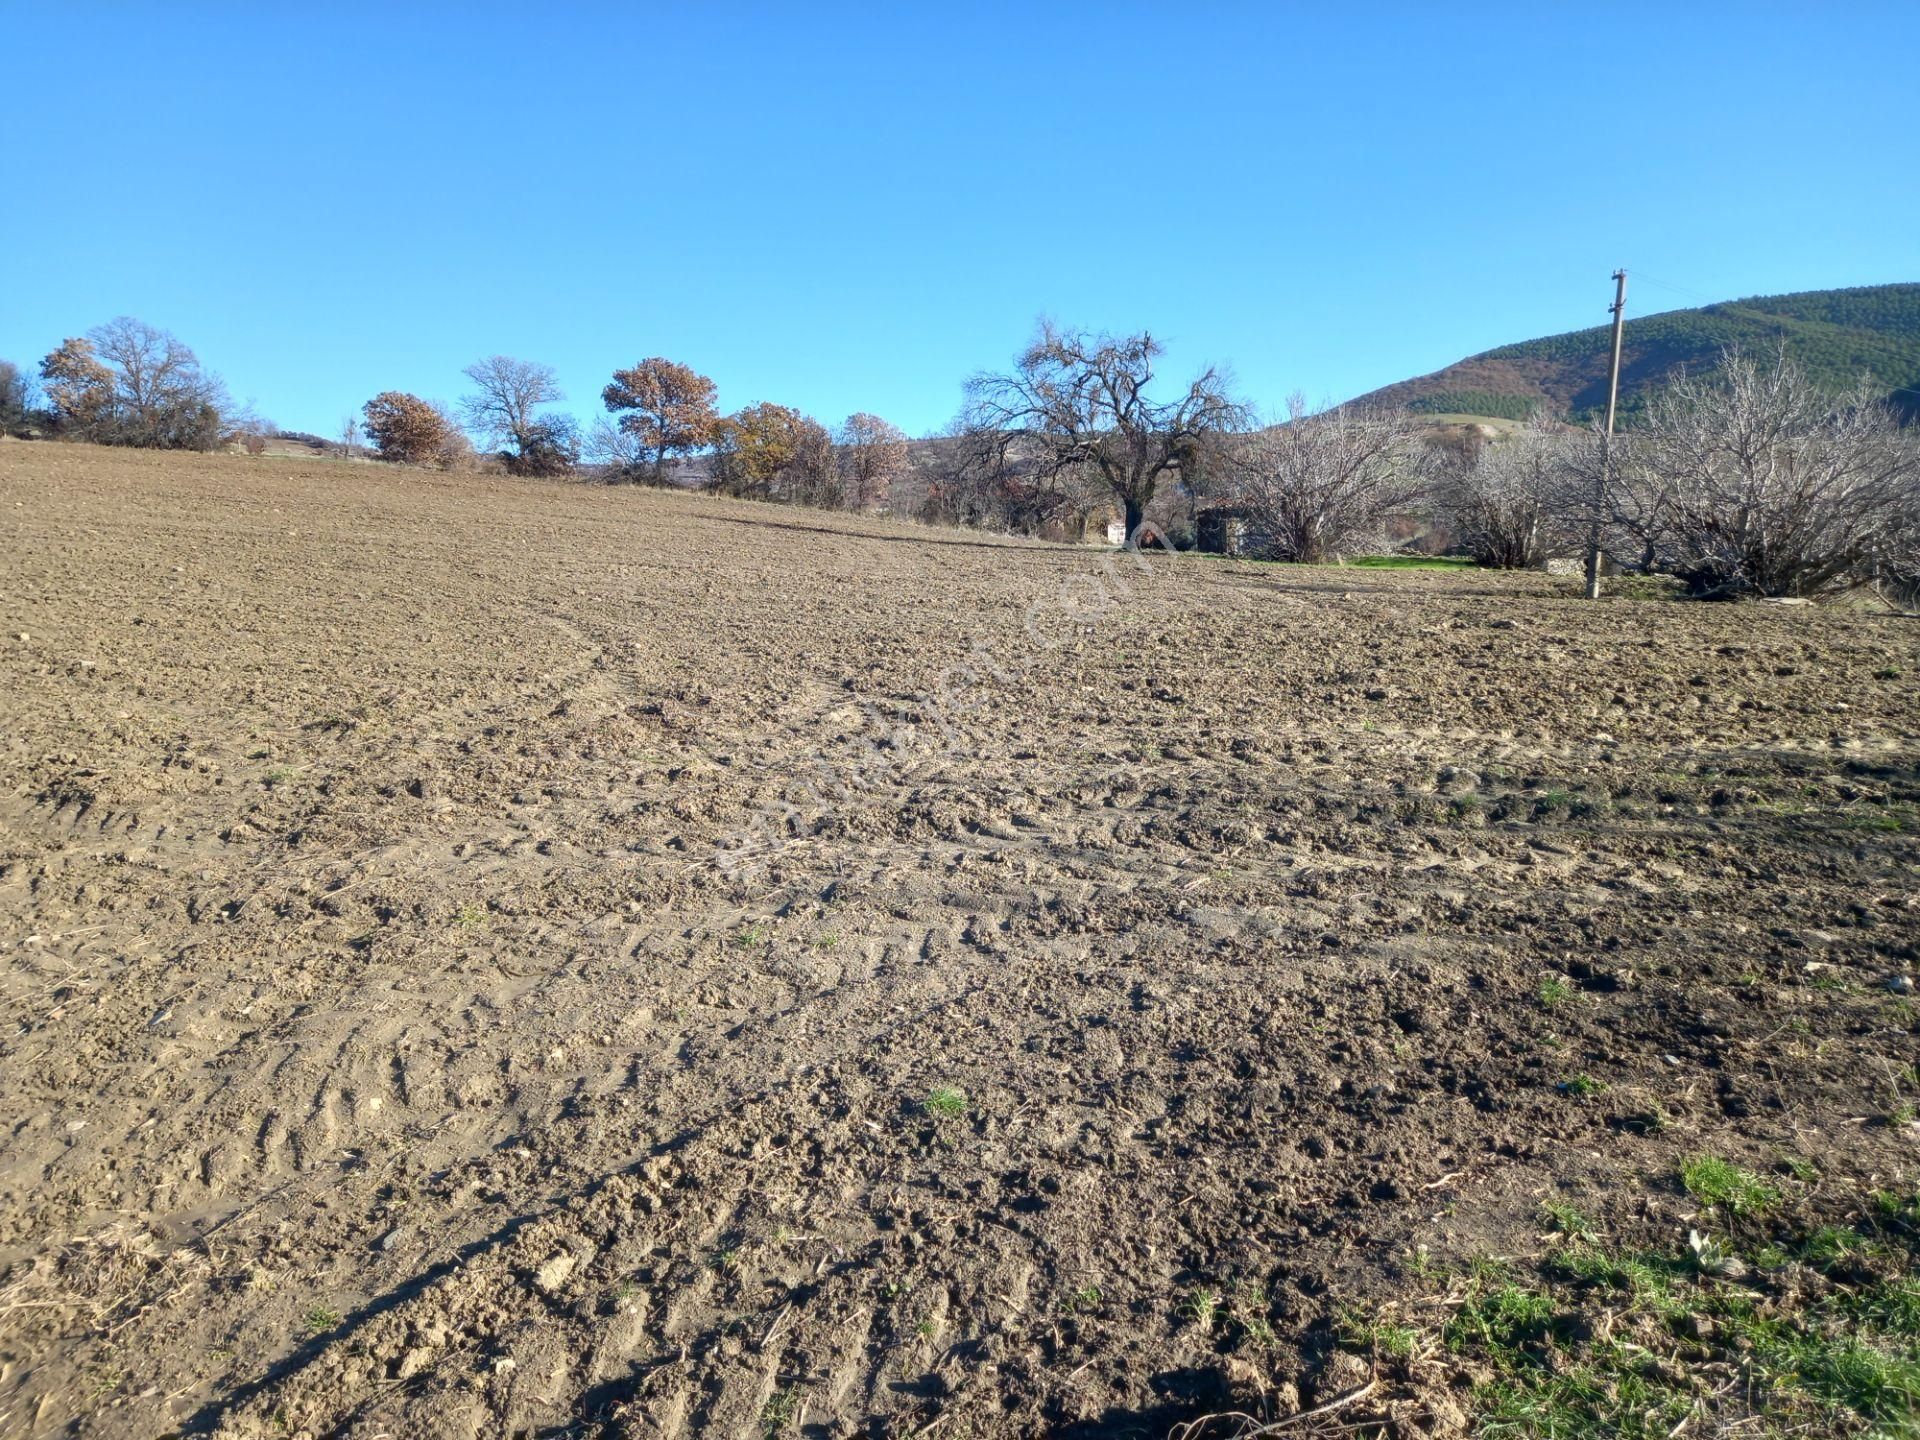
{"x":550,"y":446}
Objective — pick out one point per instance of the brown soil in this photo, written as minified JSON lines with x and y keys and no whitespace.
{"x":478,"y":954}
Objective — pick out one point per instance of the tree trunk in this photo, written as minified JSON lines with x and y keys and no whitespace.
{"x":1136,"y":513}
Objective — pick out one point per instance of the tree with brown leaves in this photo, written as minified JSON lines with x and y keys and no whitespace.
{"x":873,"y":454}
{"x":410,"y":430}
{"x":665,"y":408}
{"x":773,"y":452}
{"x":79,"y":387}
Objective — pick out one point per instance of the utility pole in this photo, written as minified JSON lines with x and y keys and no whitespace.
{"x":1601,"y":487}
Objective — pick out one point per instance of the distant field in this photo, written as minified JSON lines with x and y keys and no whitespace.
{"x":497,"y":958}
{"x":1461,"y":417}
{"x":1412,"y":562}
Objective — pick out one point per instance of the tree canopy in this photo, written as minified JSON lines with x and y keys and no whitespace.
{"x":408,"y":429}
{"x":665,"y":408}
{"x":773,"y":452}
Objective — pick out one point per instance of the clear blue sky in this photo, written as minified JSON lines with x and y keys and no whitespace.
{"x":853,"y":207}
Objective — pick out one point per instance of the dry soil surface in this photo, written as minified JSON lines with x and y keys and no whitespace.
{"x":492,"y":958}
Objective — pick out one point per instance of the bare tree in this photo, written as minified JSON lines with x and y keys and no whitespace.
{"x":252,"y":429}
{"x":992,"y":479}
{"x":1502,"y":499}
{"x":456,"y":451}
{"x":872,"y":455}
{"x":1752,"y":481}
{"x":1321,"y":485}
{"x":1597,"y":495}
{"x":162,"y":397}
{"x":349,"y":434}
{"x":624,"y":454}
{"x":1896,"y":568}
{"x":17,"y":400}
{"x":505,"y":411}
{"x":1076,"y":402}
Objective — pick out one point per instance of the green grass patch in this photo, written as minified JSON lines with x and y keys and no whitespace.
{"x":1721,"y":1335}
{"x":1604,"y":1398}
{"x":1505,"y":1317}
{"x":320,"y":1319}
{"x":1648,"y":1277}
{"x":1411,"y":562}
{"x":778,"y":1414}
{"x":1387,"y":1338}
{"x":1713,"y":1181}
{"x":1570,"y":1222}
{"x":945,"y":1102}
{"x":1896,"y":1208}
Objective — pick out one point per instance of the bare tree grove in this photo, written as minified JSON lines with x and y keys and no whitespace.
{"x":1504,"y":502}
{"x":1748,"y":480}
{"x":1752,"y":481}
{"x":1322,"y":485}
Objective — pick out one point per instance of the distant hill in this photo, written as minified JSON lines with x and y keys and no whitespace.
{"x":1834,"y":334}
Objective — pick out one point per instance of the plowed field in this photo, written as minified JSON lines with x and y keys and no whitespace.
{"x":483,"y":957}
